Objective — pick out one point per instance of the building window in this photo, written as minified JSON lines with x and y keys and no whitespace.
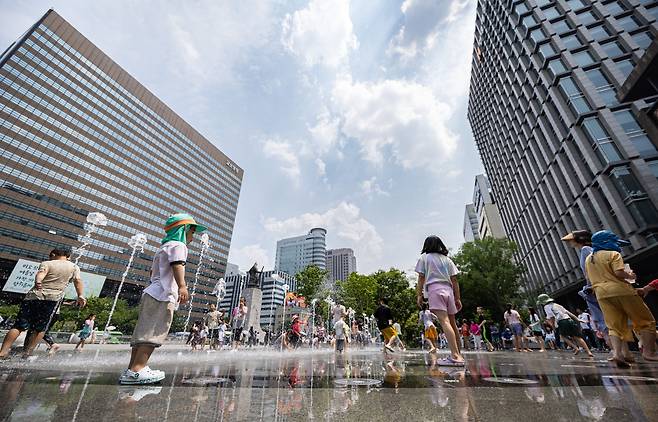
{"x":529,"y":21}
{"x":556,"y":66}
{"x":601,"y":142}
{"x":587,"y":17}
{"x":603,"y":86}
{"x":635,"y":197}
{"x":635,"y":133}
{"x":643,"y":39}
{"x":653,"y":166}
{"x":613,"y":49}
{"x":629,"y":23}
{"x":583,"y":58}
{"x":615,"y":7}
{"x":542,"y":3}
{"x":625,"y":67}
{"x":520,"y":8}
{"x":573,"y":95}
{"x":572,"y":41}
{"x":552,"y":13}
{"x":537,"y":35}
{"x":599,"y":32}
{"x":547,"y":50}
{"x":576,"y":4}
{"x":561,"y":26}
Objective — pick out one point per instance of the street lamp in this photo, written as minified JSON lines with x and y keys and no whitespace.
{"x":283,"y":316}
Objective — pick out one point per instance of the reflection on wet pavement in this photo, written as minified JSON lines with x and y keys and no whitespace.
{"x":362,"y":385}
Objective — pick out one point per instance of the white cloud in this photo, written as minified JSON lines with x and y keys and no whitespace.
{"x":322,"y":33}
{"x":324,"y":133}
{"x":423,"y":21}
{"x":345,"y":228}
{"x":285,"y":153}
{"x":246,"y":256}
{"x":321,"y":167}
{"x":399,"y":118}
{"x":371,"y":188}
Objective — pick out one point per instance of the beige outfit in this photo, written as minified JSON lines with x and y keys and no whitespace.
{"x":59,"y":274}
{"x":154,"y":321}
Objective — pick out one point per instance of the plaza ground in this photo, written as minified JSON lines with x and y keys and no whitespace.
{"x":362,"y":385}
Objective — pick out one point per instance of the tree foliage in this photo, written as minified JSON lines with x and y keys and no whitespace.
{"x":490,"y":276}
{"x":124,"y":317}
{"x":310,"y":281}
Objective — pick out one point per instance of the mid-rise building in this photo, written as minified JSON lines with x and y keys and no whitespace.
{"x":561,"y":151}
{"x":296,"y":253}
{"x":340,"y":263}
{"x":471,"y":230}
{"x":78,"y":134}
{"x":272,"y":286}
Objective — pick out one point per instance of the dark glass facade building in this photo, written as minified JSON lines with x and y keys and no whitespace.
{"x":78,"y":134}
{"x":561,"y":152}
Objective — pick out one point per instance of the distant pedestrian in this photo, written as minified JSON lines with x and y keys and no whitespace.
{"x":341,"y":330}
{"x":482,"y":322}
{"x":618,"y":299}
{"x":384,"y":318}
{"x":586,"y":327}
{"x":85,"y":333}
{"x":40,"y":303}
{"x":536,"y":328}
{"x":160,"y":298}
{"x":398,"y":336}
{"x":212,"y":321}
{"x":558,"y":316}
{"x":426,"y":317}
{"x":515,"y":324}
{"x":437,"y":278}
{"x":239,"y":319}
{"x":476,"y":334}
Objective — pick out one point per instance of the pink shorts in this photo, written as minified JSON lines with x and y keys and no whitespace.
{"x":441,"y":298}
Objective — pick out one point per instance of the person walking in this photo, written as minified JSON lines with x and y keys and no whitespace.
{"x":212,"y":321}
{"x":430,"y":334}
{"x":437,"y":278}
{"x":535,"y":327}
{"x":384,"y":318}
{"x":398,"y":336}
{"x":40,"y":303}
{"x":482,"y":322}
{"x":558,"y":316}
{"x":341,"y":330}
{"x":618,"y":299}
{"x":515,"y":324}
{"x":586,"y":327}
{"x":87,"y":329}
{"x":160,"y":298}
{"x":239,"y":319}
{"x":581,"y":240}
{"x":476,"y":334}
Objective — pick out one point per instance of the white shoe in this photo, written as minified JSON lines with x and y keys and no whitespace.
{"x":145,"y":376}
{"x":138,"y":393}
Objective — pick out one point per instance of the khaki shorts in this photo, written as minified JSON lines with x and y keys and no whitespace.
{"x":388,"y":333}
{"x":153,"y":322}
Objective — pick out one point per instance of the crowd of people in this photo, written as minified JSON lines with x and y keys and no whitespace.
{"x":615,"y":315}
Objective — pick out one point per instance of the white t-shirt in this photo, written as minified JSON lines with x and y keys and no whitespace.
{"x":436,"y":268}
{"x":163,"y":287}
{"x":535,"y":322}
{"x":512,"y":317}
{"x":553,"y":310}
{"x":584,"y":317}
{"x":426,"y":318}
{"x":340,"y":328}
{"x":397,"y":328}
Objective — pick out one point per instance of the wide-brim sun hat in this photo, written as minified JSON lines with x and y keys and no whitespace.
{"x":567,"y":237}
{"x":543,"y":299}
{"x":181,"y":219}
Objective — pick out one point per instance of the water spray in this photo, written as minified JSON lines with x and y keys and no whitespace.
{"x":205,"y":243}
{"x":136,"y":242}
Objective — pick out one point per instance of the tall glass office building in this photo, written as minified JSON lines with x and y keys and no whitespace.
{"x":562,"y":153}
{"x":78,"y":135}
{"x":293,"y":254}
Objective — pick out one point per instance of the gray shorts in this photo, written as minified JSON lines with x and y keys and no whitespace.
{"x":153,"y":323}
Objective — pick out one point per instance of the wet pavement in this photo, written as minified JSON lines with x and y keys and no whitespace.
{"x":362,"y":385}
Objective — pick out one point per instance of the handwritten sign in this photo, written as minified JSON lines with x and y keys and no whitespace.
{"x":21,"y":280}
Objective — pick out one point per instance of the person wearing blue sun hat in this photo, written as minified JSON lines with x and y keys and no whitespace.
{"x":161,"y":298}
{"x":618,"y":300}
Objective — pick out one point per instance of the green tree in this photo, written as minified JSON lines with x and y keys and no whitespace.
{"x":359,"y":292}
{"x":490,"y":276}
{"x":124,"y":317}
{"x":310,"y":281}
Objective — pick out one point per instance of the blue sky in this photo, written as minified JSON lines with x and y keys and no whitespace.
{"x":349,"y":115}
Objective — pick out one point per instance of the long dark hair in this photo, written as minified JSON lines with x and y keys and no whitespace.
{"x":433,"y":244}
{"x":583,"y":237}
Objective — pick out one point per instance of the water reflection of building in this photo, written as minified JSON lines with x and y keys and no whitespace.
{"x":79,"y":134}
{"x":272,"y":285}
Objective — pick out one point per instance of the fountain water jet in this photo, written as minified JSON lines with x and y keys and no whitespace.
{"x":205,"y":243}
{"x":219,"y":290}
{"x":136,"y":242}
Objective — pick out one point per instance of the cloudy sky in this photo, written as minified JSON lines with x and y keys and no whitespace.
{"x":345,"y":114}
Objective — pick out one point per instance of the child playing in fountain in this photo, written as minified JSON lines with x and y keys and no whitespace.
{"x":431,"y":335}
{"x":87,"y":329}
{"x":341,"y":330}
{"x":384,"y":318}
{"x":160,"y":298}
{"x":40,"y":304}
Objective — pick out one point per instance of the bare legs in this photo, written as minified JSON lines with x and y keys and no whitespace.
{"x":11,"y":337}
{"x":451,"y":334}
{"x":139,"y":357}
{"x":649,"y":345}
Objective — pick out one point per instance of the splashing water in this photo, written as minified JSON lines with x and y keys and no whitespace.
{"x":136,"y":242}
{"x":205,"y":243}
{"x":219,"y":290}
{"x":94,"y":220}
